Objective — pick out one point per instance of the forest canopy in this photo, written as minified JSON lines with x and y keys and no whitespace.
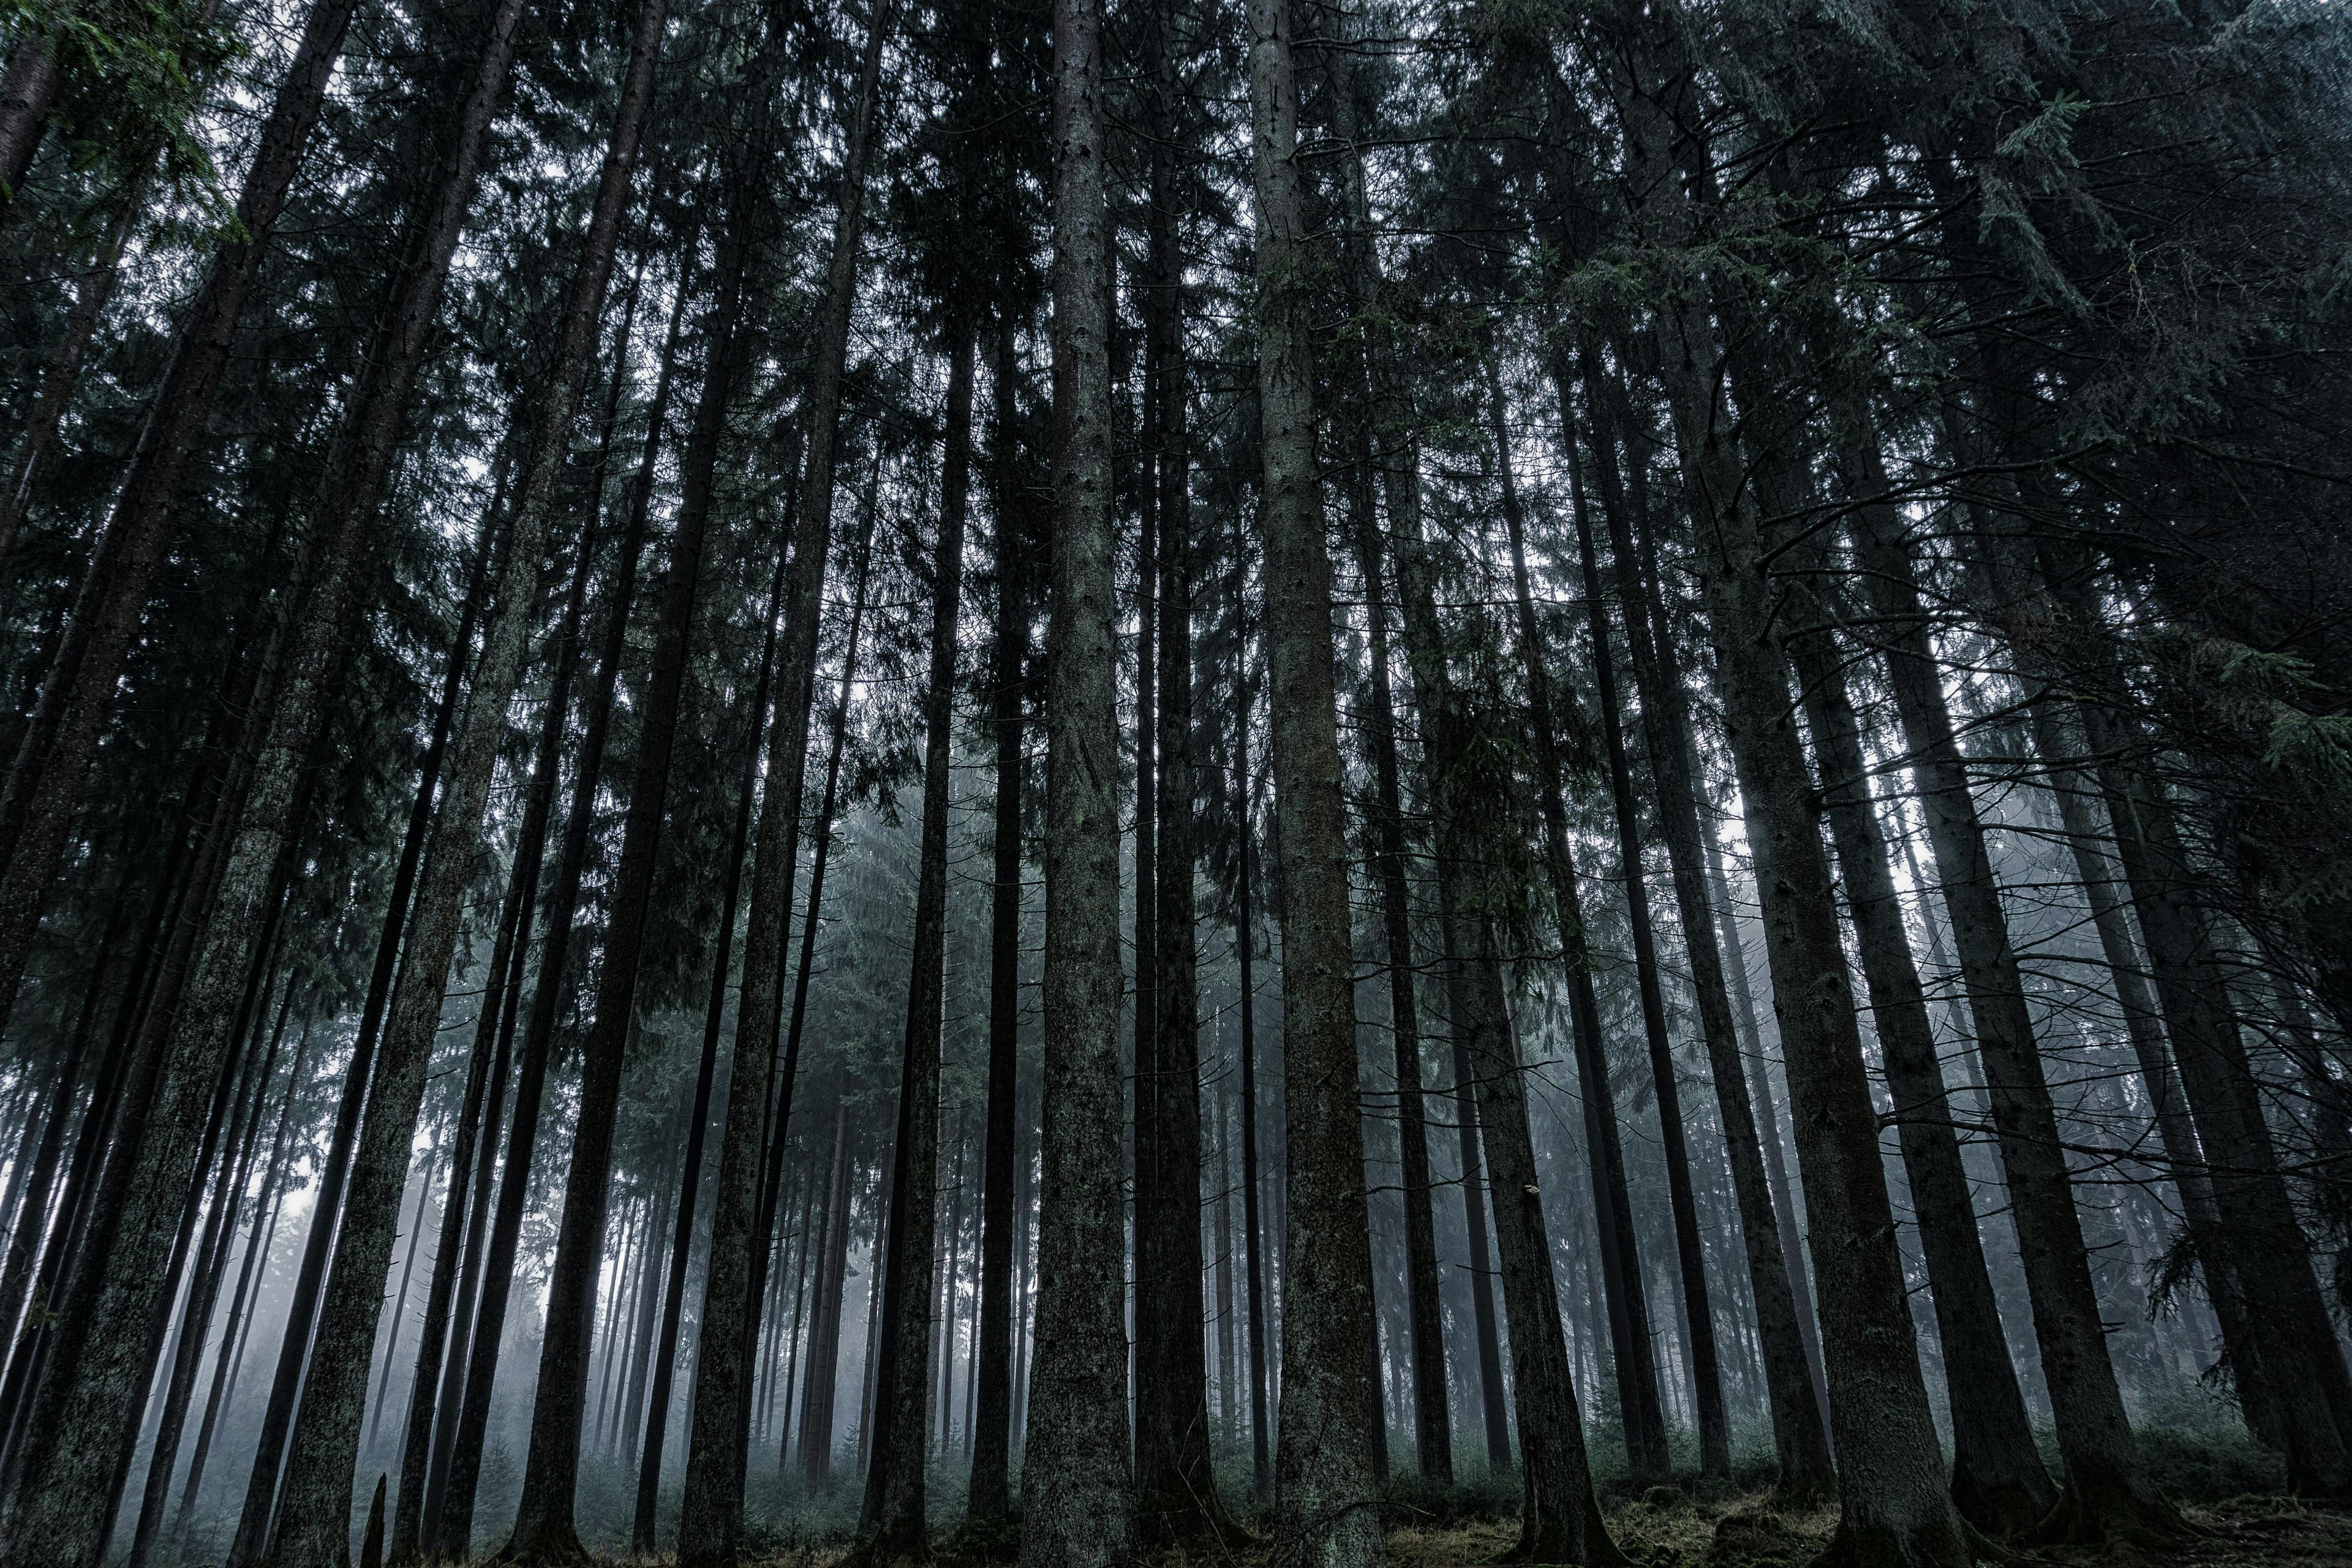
{"x":1092,"y":781}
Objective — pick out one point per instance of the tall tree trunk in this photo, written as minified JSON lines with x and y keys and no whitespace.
{"x":1894,"y":1489}
{"x":211,"y":1265}
{"x":2300,"y":1362}
{"x":893,"y":1516}
{"x":673,"y":1298}
{"x":449,"y":1526}
{"x":543,"y":1526}
{"x":1324,"y":1460}
{"x":992,"y":1493}
{"x":315,"y":1507}
{"x":426,"y":1174}
{"x":1176,"y":1484}
{"x":1245,"y":953}
{"x":1433,"y":1437}
{"x":2106,"y":1488}
{"x":1077,"y":1420}
{"x":1560,"y":1517}
{"x":1706,"y":1375}
{"x":44,"y":783}
{"x":1801,"y":1438}
{"x":825,"y":1326}
{"x":734,"y":1282}
{"x":265,"y":1204}
{"x":432,"y":1411}
{"x":1998,"y":1480}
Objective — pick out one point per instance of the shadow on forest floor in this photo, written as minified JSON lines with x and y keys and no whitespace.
{"x":1671,"y":1529}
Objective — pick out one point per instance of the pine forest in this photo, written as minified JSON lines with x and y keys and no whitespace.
{"x":1294,"y":784}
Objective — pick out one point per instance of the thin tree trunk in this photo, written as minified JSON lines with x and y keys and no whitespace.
{"x":210,"y":1265}
{"x":673,"y":1295}
{"x":1707,"y":1376}
{"x":1176,"y":1483}
{"x":892,"y":1517}
{"x":2106,"y":1487}
{"x":315,"y":1508}
{"x":1245,"y":953}
{"x":273,"y":1184}
{"x":1801,"y":1438}
{"x":824,"y":1327}
{"x":1078,"y":1425}
{"x":431,"y":1410}
{"x":734,"y":1281}
{"x":990,"y":1493}
{"x":449,"y":1527}
{"x":1894,"y":1488}
{"x":407,"y":1276}
{"x":2299,"y":1360}
{"x":78,"y":691}
{"x":1997,"y":1479}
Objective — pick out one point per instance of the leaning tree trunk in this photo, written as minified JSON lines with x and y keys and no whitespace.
{"x":712,"y":1524}
{"x":2107,"y":1490}
{"x":1801,"y":1438}
{"x":1893,"y":1491}
{"x":1997,"y":1479}
{"x":78,"y":691}
{"x":434,"y":1397}
{"x":1706,"y":1368}
{"x":1324,"y":1463}
{"x":1078,"y":1427}
{"x":1560,"y":1518}
{"x":314,"y":1509}
{"x":449,"y":1488}
{"x":2300,"y":1360}
{"x":654,"y":1424}
{"x":311,"y":647}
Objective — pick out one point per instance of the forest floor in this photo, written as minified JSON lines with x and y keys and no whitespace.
{"x":1742,"y":1531}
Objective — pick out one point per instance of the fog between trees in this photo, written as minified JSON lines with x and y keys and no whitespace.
{"x":1076,"y":781}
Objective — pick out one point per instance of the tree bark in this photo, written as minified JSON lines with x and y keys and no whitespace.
{"x":1998,"y":1480}
{"x":1894,"y":1489}
{"x":1245,"y":953}
{"x":892,"y":1520}
{"x":1706,"y":1371}
{"x":1326,"y":1485}
{"x":2106,"y":1490}
{"x":733,"y":1281}
{"x":53,"y":762}
{"x":1176,"y":1484}
{"x":265,"y":1216}
{"x":1077,"y":1434}
{"x":1801,"y":1438}
{"x":449,"y":1526}
{"x":315,"y":1509}
{"x":992,"y":1493}
{"x":1433,"y":1431}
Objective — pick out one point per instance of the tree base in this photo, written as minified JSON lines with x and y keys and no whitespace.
{"x":2116,"y":1517}
{"x":1546,"y":1540}
{"x":1925,"y":1547}
{"x":553,"y":1545}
